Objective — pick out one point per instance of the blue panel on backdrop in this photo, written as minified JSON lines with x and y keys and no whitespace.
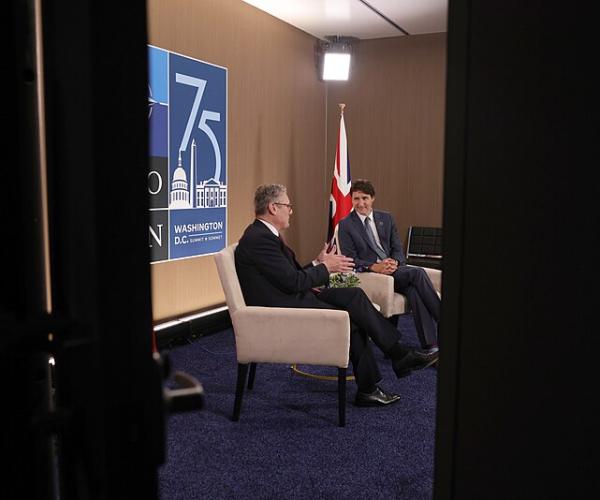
{"x":197,"y":232}
{"x":158,"y":123}
{"x":159,"y":76}
{"x":188,"y":127}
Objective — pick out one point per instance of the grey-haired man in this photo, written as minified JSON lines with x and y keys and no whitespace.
{"x":271,"y":276}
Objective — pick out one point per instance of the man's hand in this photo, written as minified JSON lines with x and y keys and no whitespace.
{"x":323,"y":252}
{"x":333,"y":262}
{"x":386,"y":266}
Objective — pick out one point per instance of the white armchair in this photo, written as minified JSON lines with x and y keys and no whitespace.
{"x":282,"y":335}
{"x":380,"y":290}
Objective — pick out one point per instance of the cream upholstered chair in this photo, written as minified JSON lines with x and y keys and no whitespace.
{"x":282,"y":335}
{"x":380,"y":290}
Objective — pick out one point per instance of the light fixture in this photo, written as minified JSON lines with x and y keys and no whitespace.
{"x":334,"y":57}
{"x":336,"y":66}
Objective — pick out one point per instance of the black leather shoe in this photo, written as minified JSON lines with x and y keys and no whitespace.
{"x":376,"y":398}
{"x":414,"y":360}
{"x":432,"y":350}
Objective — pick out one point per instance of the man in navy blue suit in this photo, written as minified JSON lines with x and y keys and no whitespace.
{"x":370,"y":237}
{"x":271,"y":276}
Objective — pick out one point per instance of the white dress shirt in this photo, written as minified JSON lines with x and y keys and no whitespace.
{"x":373,"y":228}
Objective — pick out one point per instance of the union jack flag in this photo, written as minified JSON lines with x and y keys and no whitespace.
{"x":340,"y":201}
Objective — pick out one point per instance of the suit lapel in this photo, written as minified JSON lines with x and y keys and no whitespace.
{"x":286,"y":250}
{"x":289,"y":253}
{"x":381,"y":230}
{"x":361,"y":229}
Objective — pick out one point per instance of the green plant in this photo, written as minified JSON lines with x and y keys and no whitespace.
{"x":343,"y":280}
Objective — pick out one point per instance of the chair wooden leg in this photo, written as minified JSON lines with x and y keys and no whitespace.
{"x":239,"y":390}
{"x":251,"y":376}
{"x":342,"y":397}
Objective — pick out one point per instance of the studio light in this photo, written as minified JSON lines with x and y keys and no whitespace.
{"x":336,"y":66}
{"x":334,"y":57}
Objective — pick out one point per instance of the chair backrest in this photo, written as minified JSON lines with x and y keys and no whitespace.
{"x":424,"y":242}
{"x":225,"y":261}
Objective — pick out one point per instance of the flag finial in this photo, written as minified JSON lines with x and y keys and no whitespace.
{"x":342,"y":106}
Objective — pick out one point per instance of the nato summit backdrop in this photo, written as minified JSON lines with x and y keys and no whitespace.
{"x":187,"y":178}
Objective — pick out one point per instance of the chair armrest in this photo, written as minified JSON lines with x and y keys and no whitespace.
{"x":292,"y":335}
{"x":380,"y":290}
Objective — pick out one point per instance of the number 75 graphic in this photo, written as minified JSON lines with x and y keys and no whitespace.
{"x":205,"y":117}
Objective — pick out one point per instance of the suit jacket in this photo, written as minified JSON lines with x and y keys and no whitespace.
{"x":270,"y":275}
{"x":353,"y":240}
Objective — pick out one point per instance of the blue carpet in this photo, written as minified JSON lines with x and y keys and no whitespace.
{"x":287,"y":443}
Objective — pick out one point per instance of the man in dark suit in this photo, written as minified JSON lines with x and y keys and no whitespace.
{"x":270,"y":276}
{"x":370,"y":237}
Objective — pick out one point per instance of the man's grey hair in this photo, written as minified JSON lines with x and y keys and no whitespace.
{"x":265,"y":194}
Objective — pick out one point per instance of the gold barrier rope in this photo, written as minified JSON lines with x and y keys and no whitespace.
{"x":295,"y":369}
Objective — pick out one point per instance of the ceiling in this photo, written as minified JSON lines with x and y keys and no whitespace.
{"x":362,"y":19}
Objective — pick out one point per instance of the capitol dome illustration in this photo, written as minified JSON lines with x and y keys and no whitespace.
{"x":180,"y":194}
{"x":210,"y":193}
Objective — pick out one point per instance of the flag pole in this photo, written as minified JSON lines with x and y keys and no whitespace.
{"x":334,"y":241}
{"x":340,"y":203}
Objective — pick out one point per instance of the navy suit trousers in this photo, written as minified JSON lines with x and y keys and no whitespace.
{"x":365,"y":322}
{"x":424,"y":301}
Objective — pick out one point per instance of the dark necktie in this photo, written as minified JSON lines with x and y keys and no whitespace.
{"x":378,"y":250}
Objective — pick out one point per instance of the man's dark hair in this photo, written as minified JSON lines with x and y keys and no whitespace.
{"x":362,"y":185}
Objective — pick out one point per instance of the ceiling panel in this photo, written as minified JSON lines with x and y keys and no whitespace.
{"x":353,"y":18}
{"x":321,"y":18}
{"x":415,"y":16}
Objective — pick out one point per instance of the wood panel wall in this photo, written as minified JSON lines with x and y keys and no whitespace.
{"x":276,"y":129}
{"x":283,"y":124}
{"x":395,"y":102}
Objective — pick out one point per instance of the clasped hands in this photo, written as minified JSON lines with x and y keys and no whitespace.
{"x":333,"y":262}
{"x":386,"y":266}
